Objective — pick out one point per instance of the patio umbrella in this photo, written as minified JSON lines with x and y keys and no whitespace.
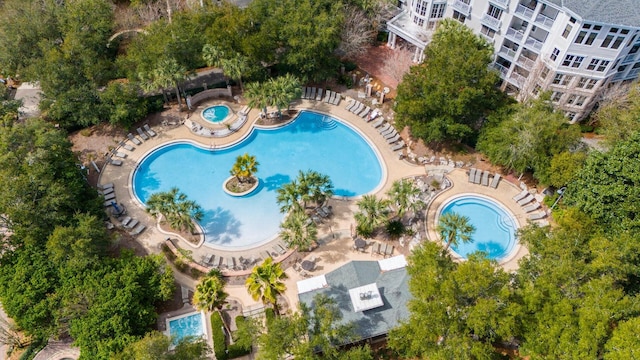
{"x":360,"y":244}
{"x":308,"y":265}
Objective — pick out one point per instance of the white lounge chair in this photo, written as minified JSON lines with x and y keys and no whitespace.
{"x":115,"y":162}
{"x":319,"y":94}
{"x":485,"y":178}
{"x":378,"y":123}
{"x":521,"y":195}
{"x":391,"y":134}
{"x":138,"y":229}
{"x":537,"y":215}
{"x":495,"y":181}
{"x":121,"y":155}
{"x":350,"y":104}
{"x":128,"y":147}
{"x":384,"y":128}
{"x":477,"y":177}
{"x":134,"y":139}
{"x":393,"y":139}
{"x":472,"y":174}
{"x":527,"y":199}
{"x":390,"y":130}
{"x":398,"y":146}
{"x":531,"y":207}
{"x":142,"y":134}
{"x":332,"y":97}
{"x":336,"y":100}
{"x":364,"y":112}
{"x":358,"y":108}
{"x":313,"y":93}
{"x":148,"y":129}
{"x":327,"y":94}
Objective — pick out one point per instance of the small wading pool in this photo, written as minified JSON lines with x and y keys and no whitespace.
{"x":216,"y":113}
{"x":191,"y":324}
{"x":495,"y":226}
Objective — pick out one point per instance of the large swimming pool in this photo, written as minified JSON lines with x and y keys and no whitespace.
{"x":495,"y":227}
{"x":312,"y":142}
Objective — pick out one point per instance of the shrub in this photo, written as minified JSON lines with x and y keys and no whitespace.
{"x":195,"y":273}
{"x":382,"y":36}
{"x":349,"y":65}
{"x":219,"y":339}
{"x":364,"y":230}
{"x":395,"y":228}
{"x":235,"y":351}
{"x":270,"y":315}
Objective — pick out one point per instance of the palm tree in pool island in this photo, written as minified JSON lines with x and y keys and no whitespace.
{"x":266,"y":282}
{"x":176,"y":208}
{"x":454,"y":228}
{"x":244,"y":168}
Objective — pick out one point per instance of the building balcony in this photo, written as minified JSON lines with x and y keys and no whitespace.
{"x":544,"y":21}
{"x":505,"y":51}
{"x":629,"y":58}
{"x":464,"y":9}
{"x":503,"y":70}
{"x":504,"y":3}
{"x":491,"y":22}
{"x":534,"y":43}
{"x":515,"y":35}
{"x":525,"y":62}
{"x":524,"y":11}
{"x":517,"y":79}
{"x":489,"y":39}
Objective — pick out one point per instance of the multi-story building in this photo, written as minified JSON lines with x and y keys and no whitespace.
{"x":577,"y":49}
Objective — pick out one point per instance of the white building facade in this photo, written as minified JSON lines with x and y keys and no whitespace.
{"x":577,"y":49}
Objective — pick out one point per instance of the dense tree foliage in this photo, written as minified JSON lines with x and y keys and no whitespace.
{"x":157,"y":346}
{"x":446,"y":97}
{"x":618,"y":117}
{"x":56,"y":276}
{"x":527,"y":137}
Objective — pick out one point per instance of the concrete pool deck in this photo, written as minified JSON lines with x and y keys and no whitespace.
{"x":335,"y":233}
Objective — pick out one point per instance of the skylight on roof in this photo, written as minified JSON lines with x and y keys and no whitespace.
{"x":365,"y":297}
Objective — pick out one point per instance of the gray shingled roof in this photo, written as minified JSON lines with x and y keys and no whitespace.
{"x":394,"y":290}
{"x":621,"y":12}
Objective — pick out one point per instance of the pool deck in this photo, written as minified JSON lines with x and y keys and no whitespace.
{"x":335,"y":242}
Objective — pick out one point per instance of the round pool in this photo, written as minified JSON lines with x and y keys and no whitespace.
{"x":216,"y":113}
{"x":495,"y":226}
{"x":312,"y":141}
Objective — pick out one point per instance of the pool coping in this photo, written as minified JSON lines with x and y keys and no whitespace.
{"x":221,"y":122}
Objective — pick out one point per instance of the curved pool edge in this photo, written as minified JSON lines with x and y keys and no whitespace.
{"x":516,"y":246}
{"x":221,"y":122}
{"x":252,"y":128}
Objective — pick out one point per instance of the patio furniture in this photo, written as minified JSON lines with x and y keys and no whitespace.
{"x":115,"y":162}
{"x":476,"y":178}
{"x":393,"y":139}
{"x":521,"y":195}
{"x":364,"y":112}
{"x":336,"y":100}
{"x":312,"y":96}
{"x":360,"y":244}
{"x":527,"y":199}
{"x":375,"y":249}
{"x":537,"y":215}
{"x":133,"y":139}
{"x":398,"y":146}
{"x":106,"y":191}
{"x":384,"y":128}
{"x":131,"y":224}
{"x":350,"y":104}
{"x":142,"y":134}
{"x":208,"y":259}
{"x":391,"y":133}
{"x":140,"y":228}
{"x":307,"y":265}
{"x":148,"y":129}
{"x":485,"y":178}
{"x":121,"y":155}
{"x":327,"y":94}
{"x":128,"y":147}
{"x":319,"y":95}
{"x":374,"y":114}
{"x":531,"y":207}
{"x":472,"y":174}
{"x":389,"y":250}
{"x":378,"y":123}
{"x":358,"y":108}
{"x":221,"y":262}
{"x":126,"y":221}
{"x":281,"y":249}
{"x":495,"y":181}
{"x":110,"y":196}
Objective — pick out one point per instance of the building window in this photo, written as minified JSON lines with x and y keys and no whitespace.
{"x":459,"y":16}
{"x":570,"y":115}
{"x":634,"y":49}
{"x":494,"y":11}
{"x":554,"y":54}
{"x":571,"y":99}
{"x":437,"y":11}
{"x":580,"y":100}
{"x":544,"y":73}
{"x":567,"y":31}
{"x":556,"y":96}
{"x":536,"y":89}
{"x":488,"y":32}
{"x":591,"y":83}
{"x":622,"y":68}
{"x":558,"y":78}
{"x":418,"y":20}
{"x":421,"y":7}
{"x":573,"y":61}
{"x":636,"y":65}
{"x":607,"y":42}
{"x":587,"y":37}
{"x":566,"y":80}
{"x":598,"y":65}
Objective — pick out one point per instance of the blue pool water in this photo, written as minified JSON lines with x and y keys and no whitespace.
{"x":312,"y":142}
{"x":216,"y":113}
{"x":495,"y":228}
{"x":191,"y":325}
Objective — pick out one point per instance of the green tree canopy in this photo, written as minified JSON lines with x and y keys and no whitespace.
{"x":619,"y":116}
{"x":266,"y":282}
{"x":446,"y":97}
{"x":527,"y":137}
{"x":157,"y":346}
{"x":245,"y":166}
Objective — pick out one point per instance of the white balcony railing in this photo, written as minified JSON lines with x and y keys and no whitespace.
{"x":517,"y":78}
{"x":534,"y":43}
{"x":508,"y":52}
{"x":629,"y":58}
{"x":524,"y":11}
{"x":544,"y":20}
{"x":491,"y":22}
{"x":504,"y":3}
{"x":515,"y":35}
{"x":525,"y":62}
{"x":503,"y":70}
{"x":464,"y":9}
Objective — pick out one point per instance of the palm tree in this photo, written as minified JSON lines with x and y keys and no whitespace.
{"x":169,"y":72}
{"x":314,"y":187}
{"x":283,"y":91}
{"x":373,"y":212}
{"x":299,"y":231}
{"x":405,"y":195}
{"x":454,"y":228}
{"x":266,"y":282}
{"x":289,"y":197}
{"x":212,"y":55}
{"x":258,"y":96}
{"x":177,"y":210}
{"x":235,"y":66}
{"x":244,"y":167}
{"x":210,"y":296}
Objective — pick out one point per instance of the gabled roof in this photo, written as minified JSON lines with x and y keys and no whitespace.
{"x":618,"y":12}
{"x":393,"y":286}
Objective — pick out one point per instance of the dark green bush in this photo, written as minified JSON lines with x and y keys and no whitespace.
{"x":270,"y":315}
{"x":382,"y":36}
{"x":349,"y":66}
{"x":395,"y":229}
{"x":219,"y":339}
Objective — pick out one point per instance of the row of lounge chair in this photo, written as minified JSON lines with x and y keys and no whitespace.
{"x":385,"y":249}
{"x":358,"y":108}
{"x":132,"y":224}
{"x":478,"y":176}
{"x":528,"y":203}
{"x":313,"y":93}
{"x":390,"y":134}
{"x":109,"y":194}
{"x":145,"y":135}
